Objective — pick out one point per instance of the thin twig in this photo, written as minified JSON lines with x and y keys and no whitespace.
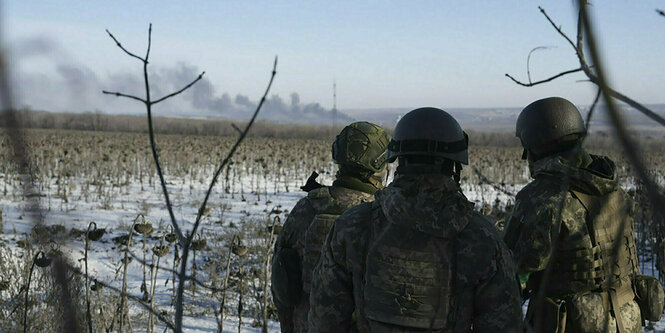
{"x":236,"y":128}
{"x":528,"y":59}
{"x":119,"y":94}
{"x":153,"y":145}
{"x":138,"y":300}
{"x":557,"y":27}
{"x":88,"y":316}
{"x":147,"y":53}
{"x":639,"y":107}
{"x":123,"y":48}
{"x":591,"y":109}
{"x":171,"y":270}
{"x":486,"y":180}
{"x":185,"y":250}
{"x":530,"y":84}
{"x":179,"y":91}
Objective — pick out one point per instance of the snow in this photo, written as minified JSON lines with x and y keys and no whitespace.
{"x":117,"y":210}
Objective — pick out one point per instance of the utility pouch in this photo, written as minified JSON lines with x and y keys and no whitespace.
{"x":591,"y":311}
{"x":551,"y":317}
{"x":649,"y":296}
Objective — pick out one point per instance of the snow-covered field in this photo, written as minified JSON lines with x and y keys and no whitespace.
{"x":244,"y":207}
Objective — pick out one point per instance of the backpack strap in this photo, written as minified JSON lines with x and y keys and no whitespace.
{"x":373,"y":216}
{"x":590,"y":205}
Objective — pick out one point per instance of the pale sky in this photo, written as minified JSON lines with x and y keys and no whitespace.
{"x":382,"y":54}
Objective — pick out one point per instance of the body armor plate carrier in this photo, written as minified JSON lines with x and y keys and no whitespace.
{"x":329,"y":203}
{"x":600,"y":268}
{"x":409,"y":277}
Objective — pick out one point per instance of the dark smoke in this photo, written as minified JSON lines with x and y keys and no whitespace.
{"x":73,"y":87}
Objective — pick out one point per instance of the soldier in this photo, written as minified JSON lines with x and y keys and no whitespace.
{"x":418,"y":258}
{"x":360,"y":151}
{"x":564,"y":225}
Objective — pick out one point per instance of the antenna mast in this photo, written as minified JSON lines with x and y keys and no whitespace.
{"x":334,"y":110}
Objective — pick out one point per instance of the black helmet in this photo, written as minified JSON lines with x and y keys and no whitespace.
{"x":429,"y":132}
{"x":545,"y":124}
{"x":361,"y":145}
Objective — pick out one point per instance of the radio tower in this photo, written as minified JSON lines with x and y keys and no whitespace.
{"x":334,"y":109}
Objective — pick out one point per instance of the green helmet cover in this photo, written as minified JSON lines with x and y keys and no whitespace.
{"x":362,"y":145}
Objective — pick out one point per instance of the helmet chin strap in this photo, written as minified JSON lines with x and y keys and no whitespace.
{"x":376,"y":182}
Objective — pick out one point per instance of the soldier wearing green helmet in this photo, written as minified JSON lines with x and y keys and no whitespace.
{"x":359,"y":150}
{"x":564,"y":228}
{"x":417,"y":258}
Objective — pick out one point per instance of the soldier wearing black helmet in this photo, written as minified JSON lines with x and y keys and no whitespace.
{"x":359,"y":150}
{"x":418,"y":258}
{"x":564,"y":226}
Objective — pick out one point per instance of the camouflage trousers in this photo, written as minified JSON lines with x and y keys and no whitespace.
{"x":585,"y":313}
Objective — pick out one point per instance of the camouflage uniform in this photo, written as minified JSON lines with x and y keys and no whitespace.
{"x":416,"y":259}
{"x":579,"y":283}
{"x":329,"y":201}
{"x":359,"y":150}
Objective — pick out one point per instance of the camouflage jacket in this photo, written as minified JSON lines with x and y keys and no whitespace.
{"x":546,"y":213}
{"x":293,"y":236}
{"x":486,"y":296}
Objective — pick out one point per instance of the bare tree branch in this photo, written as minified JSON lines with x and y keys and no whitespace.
{"x":528,"y":59}
{"x":155,"y":155}
{"x":584,"y":66}
{"x":590,"y":113}
{"x":646,"y":111}
{"x":181,"y":90}
{"x":531,"y":84}
{"x":119,"y":94}
{"x":185,"y":249}
{"x":123,"y":48}
{"x":557,"y":27}
{"x":147,"y":53}
{"x":630,"y":148}
{"x":235,"y":127}
{"x":153,"y":145}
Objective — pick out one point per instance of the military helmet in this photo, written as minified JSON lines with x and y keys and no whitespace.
{"x":363,"y":145}
{"x":429,"y":132}
{"x":547,"y":122}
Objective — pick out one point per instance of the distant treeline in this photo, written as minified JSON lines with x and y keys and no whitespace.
{"x":97,"y":121}
{"x":217,"y":127}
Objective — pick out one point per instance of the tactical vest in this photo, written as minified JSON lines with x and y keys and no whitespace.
{"x":600,"y":268}
{"x":329,"y":203}
{"x":409,"y":276}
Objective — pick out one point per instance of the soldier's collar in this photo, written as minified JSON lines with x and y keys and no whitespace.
{"x":355,"y":184}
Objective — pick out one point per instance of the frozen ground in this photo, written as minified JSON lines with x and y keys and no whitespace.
{"x":231,"y":212}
